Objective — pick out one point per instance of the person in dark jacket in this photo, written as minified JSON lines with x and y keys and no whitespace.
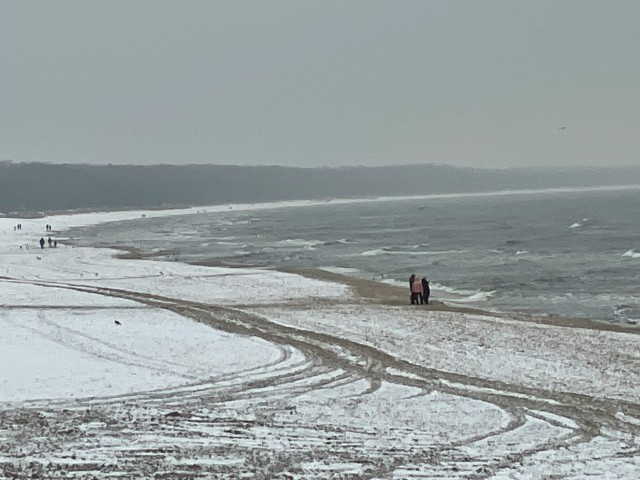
{"x":425,"y":290}
{"x":41,"y":242}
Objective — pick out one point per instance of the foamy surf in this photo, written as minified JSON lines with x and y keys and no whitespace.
{"x":444,"y":293}
{"x":461,"y":296}
{"x":391,"y":251}
{"x":299,"y":242}
{"x":581,"y":223}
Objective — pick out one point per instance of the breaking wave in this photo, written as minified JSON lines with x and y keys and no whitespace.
{"x":392,"y":251}
{"x":580,"y":224}
{"x":299,"y":242}
{"x":452,"y":295}
{"x":462,"y":296}
{"x":340,"y":241}
{"x":373,"y":253}
{"x":627,"y":314}
{"x":310,"y":244}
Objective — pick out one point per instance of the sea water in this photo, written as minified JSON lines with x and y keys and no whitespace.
{"x":572,"y":253}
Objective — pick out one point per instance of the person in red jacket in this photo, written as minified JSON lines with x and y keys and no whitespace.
{"x":416,"y":291}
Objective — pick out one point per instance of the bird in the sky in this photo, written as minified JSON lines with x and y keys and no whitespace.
{"x":562,"y":128}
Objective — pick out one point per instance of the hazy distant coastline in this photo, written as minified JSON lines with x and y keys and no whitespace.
{"x":35,"y":187}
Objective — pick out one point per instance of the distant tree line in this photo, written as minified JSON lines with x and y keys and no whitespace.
{"x":40,"y":187}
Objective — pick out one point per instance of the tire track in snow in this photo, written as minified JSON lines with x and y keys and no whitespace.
{"x":325,"y":354}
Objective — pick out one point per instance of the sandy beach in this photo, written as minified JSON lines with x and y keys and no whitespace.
{"x":116,"y":366}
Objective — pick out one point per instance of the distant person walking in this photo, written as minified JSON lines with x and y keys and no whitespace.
{"x":50,"y":242}
{"x":41,"y":242}
{"x":426,"y":291}
{"x":416,"y":292}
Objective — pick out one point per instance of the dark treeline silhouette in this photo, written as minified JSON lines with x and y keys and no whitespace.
{"x":35,"y":187}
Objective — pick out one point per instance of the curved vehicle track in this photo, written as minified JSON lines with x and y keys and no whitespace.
{"x":307,"y":415}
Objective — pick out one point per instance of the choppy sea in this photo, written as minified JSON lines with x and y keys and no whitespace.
{"x":568,"y":253}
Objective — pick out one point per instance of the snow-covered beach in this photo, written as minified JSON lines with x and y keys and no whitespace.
{"x":257,"y":373}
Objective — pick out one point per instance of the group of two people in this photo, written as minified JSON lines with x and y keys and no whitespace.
{"x":419,"y":288}
{"x":52,"y":243}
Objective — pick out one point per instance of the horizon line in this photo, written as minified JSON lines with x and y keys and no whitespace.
{"x":325,"y":167}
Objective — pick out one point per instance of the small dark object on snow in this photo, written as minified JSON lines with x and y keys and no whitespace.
{"x":117,"y":322}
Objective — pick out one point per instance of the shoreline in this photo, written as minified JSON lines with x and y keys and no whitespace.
{"x":372,"y":291}
{"x":377,"y":293}
{"x":182,"y":209}
{"x":391,"y":295}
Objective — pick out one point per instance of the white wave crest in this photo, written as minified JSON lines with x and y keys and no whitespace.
{"x":373,"y":253}
{"x":389,"y":251}
{"x":341,"y":270}
{"x":631,"y":253}
{"x":481,"y":296}
{"x":299,"y":242}
{"x":580,"y":223}
{"x":394,"y":282}
{"x":340,"y":241}
{"x":451,"y":295}
{"x":462,"y":296}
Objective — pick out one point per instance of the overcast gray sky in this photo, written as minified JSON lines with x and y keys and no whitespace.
{"x":302,"y":83}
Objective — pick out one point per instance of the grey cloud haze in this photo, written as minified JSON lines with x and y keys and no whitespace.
{"x":301,"y":83}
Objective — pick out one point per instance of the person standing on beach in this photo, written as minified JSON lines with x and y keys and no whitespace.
{"x":41,"y":242}
{"x":426,"y":291}
{"x":412,"y":279}
{"x":416,"y":292}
